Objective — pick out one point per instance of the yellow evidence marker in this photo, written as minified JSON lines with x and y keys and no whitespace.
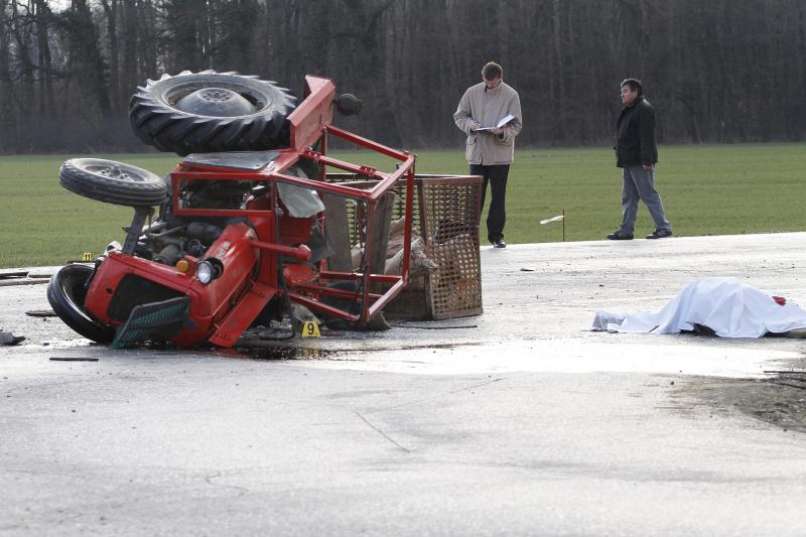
{"x":86,"y":256}
{"x":310,"y":329}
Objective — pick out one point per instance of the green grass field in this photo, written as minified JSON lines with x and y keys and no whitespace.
{"x":707,"y":190}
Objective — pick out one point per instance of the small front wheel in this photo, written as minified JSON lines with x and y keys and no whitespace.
{"x":113,"y":182}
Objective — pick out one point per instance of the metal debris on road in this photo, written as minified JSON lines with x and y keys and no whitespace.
{"x":40,"y":313}
{"x":8,"y":275}
{"x":421,"y":327}
{"x":22,"y":281}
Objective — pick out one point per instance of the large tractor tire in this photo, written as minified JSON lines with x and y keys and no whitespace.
{"x":209,"y":112}
{"x":66,"y":293}
{"x":113,"y":182}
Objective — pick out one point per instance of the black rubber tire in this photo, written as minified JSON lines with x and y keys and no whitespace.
{"x":112,"y":182}
{"x":208,"y":112}
{"x":66,"y":292}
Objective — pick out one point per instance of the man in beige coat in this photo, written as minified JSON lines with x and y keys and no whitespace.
{"x":489,"y":113}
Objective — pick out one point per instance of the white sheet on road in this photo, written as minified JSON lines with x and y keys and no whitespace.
{"x":727,"y":306}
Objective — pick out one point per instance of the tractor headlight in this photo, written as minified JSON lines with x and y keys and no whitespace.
{"x":208,"y":270}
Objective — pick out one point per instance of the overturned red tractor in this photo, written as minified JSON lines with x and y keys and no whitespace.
{"x":241,"y":233}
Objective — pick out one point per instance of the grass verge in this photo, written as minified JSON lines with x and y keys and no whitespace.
{"x":706,"y":189}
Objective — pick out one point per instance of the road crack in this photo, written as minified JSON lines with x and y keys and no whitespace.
{"x":383,"y":434}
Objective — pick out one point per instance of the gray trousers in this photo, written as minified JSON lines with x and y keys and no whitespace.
{"x":639,"y":184}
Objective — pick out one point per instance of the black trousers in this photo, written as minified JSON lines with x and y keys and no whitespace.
{"x":496,"y":177}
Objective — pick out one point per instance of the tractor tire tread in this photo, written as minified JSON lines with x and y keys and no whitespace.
{"x":156,"y":121}
{"x":66,"y":297}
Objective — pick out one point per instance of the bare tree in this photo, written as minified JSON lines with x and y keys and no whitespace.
{"x":719,"y":71}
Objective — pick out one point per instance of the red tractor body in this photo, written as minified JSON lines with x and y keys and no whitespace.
{"x":262,"y":253}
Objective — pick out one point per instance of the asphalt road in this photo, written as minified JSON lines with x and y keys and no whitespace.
{"x":517,"y":422}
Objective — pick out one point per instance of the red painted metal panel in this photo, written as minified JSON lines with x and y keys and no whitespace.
{"x":313,"y":114}
{"x":242,"y":315}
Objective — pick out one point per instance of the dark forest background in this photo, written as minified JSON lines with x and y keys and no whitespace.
{"x":716,"y":70}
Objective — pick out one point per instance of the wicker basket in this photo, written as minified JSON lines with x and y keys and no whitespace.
{"x":449,"y":220}
{"x":446,"y":210}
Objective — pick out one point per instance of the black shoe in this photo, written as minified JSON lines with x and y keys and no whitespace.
{"x":498,"y":243}
{"x":660,"y":234}
{"x":619,"y":236}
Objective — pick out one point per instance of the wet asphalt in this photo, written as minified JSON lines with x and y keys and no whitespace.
{"x":520,"y":421}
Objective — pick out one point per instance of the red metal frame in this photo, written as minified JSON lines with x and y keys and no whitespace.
{"x":253,"y":279}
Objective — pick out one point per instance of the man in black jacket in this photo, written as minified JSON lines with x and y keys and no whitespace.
{"x":637,"y":154}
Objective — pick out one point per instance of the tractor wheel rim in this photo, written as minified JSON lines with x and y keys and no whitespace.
{"x":115,"y":172}
{"x":217,"y":102}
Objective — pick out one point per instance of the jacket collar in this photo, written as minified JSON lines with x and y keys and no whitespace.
{"x":495,"y":91}
{"x":635,"y":103}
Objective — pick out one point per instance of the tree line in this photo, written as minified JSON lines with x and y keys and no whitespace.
{"x":717,"y":71}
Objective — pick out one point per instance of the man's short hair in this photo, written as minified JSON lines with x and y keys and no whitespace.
{"x":633,"y":83}
{"x":491,"y":71}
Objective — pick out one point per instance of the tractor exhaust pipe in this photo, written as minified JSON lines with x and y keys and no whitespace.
{"x":134,"y":231}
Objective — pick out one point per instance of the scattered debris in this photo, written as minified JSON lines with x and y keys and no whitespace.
{"x":40,"y":313}
{"x":9,"y":339}
{"x":22,"y":281}
{"x":276,"y":332}
{"x":778,"y":400}
{"x":9,"y":275}
{"x":287,"y":353}
{"x":421,"y":327}
{"x":527,"y":270}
